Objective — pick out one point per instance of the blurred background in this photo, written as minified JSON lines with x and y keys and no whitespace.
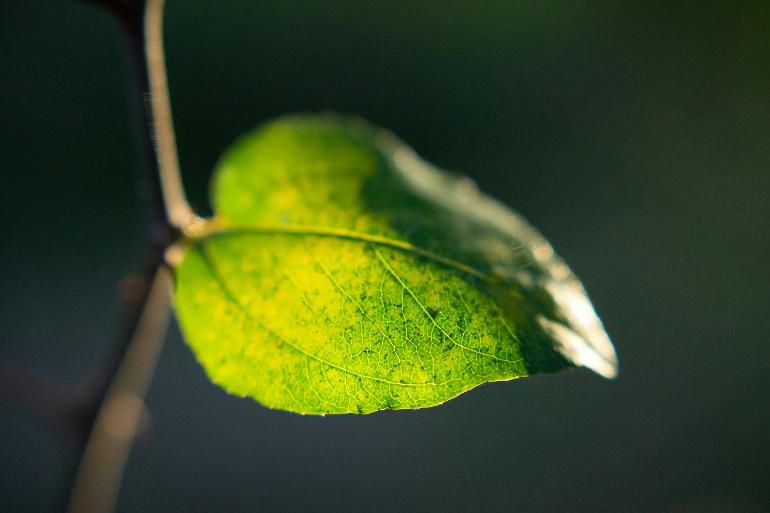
{"x":635,"y":136}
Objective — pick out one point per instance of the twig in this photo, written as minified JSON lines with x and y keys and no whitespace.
{"x":73,"y":409}
{"x":178,"y":210}
{"x":121,"y":391}
{"x":142,"y":24}
{"x":122,"y":410}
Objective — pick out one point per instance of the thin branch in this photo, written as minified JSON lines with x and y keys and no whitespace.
{"x":142,"y":23}
{"x":73,"y":409}
{"x":180,"y":214}
{"x":118,"y":394}
{"x":122,"y":411}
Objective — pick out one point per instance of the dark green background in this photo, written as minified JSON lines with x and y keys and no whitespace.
{"x":635,"y":136}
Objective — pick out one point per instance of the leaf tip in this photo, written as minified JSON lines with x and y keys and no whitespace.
{"x":591,"y":348}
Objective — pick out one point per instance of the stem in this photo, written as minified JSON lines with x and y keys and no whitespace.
{"x":111,"y":422}
{"x":101,"y":469}
{"x":179,"y":213}
{"x":142,"y":24}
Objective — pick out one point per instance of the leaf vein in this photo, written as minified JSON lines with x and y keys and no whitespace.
{"x":429,"y":316}
{"x":231,"y":297}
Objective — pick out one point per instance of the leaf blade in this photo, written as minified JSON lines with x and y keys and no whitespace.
{"x":315,"y":341}
{"x":468,"y":292}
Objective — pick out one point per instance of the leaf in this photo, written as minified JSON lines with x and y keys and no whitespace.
{"x":343,"y":274}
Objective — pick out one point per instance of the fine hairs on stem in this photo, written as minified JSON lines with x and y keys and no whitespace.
{"x":178,"y":210}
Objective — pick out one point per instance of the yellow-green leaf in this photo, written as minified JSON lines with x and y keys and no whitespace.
{"x":343,"y":274}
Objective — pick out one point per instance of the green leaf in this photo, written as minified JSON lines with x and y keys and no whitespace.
{"x":343,"y":274}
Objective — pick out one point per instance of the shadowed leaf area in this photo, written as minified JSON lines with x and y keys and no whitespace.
{"x":346,"y":275}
